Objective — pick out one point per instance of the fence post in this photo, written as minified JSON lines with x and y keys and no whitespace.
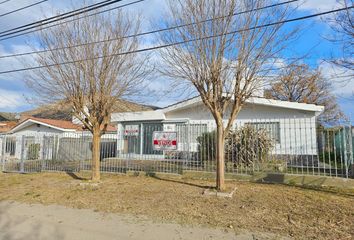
{"x":2,"y":154}
{"x":22,"y":167}
{"x":345,"y":152}
{"x":351,"y":147}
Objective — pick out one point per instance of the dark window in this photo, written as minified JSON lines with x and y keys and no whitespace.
{"x":10,"y":146}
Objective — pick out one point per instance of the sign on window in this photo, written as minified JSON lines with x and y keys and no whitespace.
{"x":131,"y":130}
{"x":164,"y":141}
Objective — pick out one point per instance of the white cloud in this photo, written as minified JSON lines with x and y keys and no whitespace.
{"x":342,"y":81}
{"x":11,"y":100}
{"x":30,"y":14}
{"x":13,"y":63}
{"x":318,"y":5}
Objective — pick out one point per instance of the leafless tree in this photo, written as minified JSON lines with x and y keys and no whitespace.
{"x":225,"y":66}
{"x":343,"y":26}
{"x":95,"y":76}
{"x":299,"y":83}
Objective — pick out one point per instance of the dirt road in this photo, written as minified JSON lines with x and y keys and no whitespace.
{"x":23,"y":221}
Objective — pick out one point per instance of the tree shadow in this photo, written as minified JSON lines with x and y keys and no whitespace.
{"x":76,"y":177}
{"x":181,"y":182}
{"x":313,"y":185}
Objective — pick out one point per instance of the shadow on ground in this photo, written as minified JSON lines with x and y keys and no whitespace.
{"x":76,"y":177}
{"x":304,"y":182}
{"x":182,"y":182}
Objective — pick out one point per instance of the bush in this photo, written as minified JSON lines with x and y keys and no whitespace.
{"x":33,"y":151}
{"x":207,"y":146}
{"x":246,"y":145}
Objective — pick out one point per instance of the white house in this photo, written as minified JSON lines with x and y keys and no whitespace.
{"x":292,"y":125}
{"x":40,"y":138}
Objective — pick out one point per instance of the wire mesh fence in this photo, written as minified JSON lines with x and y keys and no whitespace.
{"x":294,"y":146}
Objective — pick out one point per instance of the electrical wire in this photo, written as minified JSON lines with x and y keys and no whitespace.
{"x":22,"y":8}
{"x":5,"y":1}
{"x":183,"y":42}
{"x":72,"y":20}
{"x":58,"y":17}
{"x":151,"y":32}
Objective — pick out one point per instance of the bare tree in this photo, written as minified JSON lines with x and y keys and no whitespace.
{"x":95,"y":76}
{"x":343,"y":26}
{"x":299,"y":83}
{"x":223,"y":59}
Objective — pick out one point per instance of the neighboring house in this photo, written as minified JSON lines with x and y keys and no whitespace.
{"x":7,"y":126}
{"x":292,"y":126}
{"x":51,"y":132}
{"x":39,"y":138}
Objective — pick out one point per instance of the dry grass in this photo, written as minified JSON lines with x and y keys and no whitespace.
{"x":284,"y":210}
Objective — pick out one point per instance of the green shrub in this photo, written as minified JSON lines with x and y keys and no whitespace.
{"x":207,"y":146}
{"x":33,"y":151}
{"x":246,"y":145}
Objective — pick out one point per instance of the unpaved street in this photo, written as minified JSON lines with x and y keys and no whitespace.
{"x":24,"y":221}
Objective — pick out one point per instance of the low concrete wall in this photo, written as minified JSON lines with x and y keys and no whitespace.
{"x":290,"y":179}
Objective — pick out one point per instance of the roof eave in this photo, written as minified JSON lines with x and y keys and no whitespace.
{"x":20,"y":126}
{"x":257,"y":101}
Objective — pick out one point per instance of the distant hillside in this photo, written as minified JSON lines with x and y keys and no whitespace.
{"x":5,"y":116}
{"x":63,"y":112}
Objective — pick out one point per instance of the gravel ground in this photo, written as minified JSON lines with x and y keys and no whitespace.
{"x":282,"y":210}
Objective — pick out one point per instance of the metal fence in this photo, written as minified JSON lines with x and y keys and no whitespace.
{"x":294,"y":146}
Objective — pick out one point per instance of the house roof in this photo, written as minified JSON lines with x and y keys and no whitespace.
{"x":7,"y":126}
{"x":254,"y":100}
{"x":61,"y":125}
{"x":195,"y":101}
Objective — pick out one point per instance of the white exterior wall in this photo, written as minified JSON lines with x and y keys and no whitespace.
{"x":297,"y":128}
{"x":1,"y":145}
{"x":39,"y":132}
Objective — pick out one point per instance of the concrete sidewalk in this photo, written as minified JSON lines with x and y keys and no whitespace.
{"x":35,"y":222}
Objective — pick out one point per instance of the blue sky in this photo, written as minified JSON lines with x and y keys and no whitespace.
{"x":13,"y":92}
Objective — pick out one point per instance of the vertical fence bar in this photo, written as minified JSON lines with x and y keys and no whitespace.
{"x":335,"y":153}
{"x":313,"y":147}
{"x":329,"y":151}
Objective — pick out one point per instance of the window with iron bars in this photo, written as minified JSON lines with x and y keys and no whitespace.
{"x":188,"y":133}
{"x":273,"y":128}
{"x":10,"y":146}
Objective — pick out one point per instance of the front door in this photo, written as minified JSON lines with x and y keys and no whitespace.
{"x":148,"y":130}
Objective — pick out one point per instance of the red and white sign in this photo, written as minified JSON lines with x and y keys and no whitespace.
{"x":164,"y":141}
{"x":131,"y":130}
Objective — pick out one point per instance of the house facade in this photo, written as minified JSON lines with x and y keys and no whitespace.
{"x":49,"y":139}
{"x":291,"y":125}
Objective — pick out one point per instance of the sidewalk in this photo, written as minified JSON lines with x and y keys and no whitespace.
{"x":35,"y":222}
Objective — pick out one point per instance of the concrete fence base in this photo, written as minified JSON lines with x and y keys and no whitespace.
{"x":289,"y":179}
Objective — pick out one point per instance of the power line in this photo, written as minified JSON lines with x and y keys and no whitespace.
{"x":22,"y":8}
{"x":183,"y":42}
{"x":149,"y":32}
{"x":50,"y":18}
{"x":5,"y":1}
{"x":72,"y":20}
{"x":58,"y":17}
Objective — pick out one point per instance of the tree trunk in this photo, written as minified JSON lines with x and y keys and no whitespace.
{"x":96,"y":142}
{"x":220,"y":158}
